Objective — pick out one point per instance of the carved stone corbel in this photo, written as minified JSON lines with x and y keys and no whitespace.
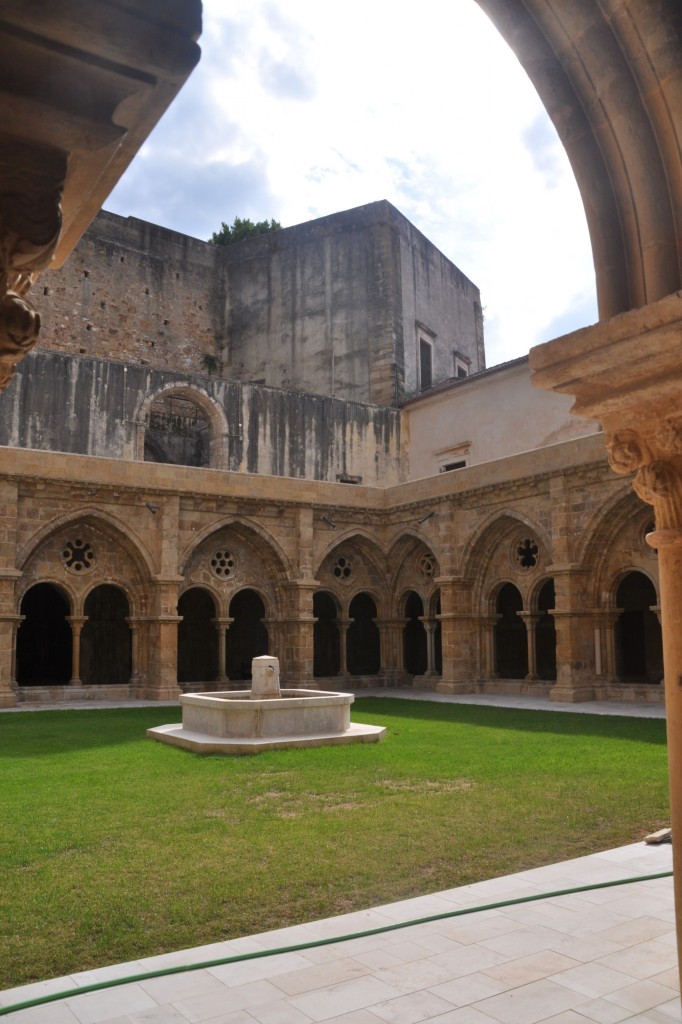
{"x":31,"y":185}
{"x":653,"y":454}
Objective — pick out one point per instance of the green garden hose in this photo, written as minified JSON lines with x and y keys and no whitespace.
{"x":238,"y":958}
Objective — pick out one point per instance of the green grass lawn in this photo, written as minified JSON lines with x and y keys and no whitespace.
{"x":114,"y":847}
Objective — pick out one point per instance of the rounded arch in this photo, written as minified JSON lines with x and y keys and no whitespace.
{"x":596,"y":69}
{"x":326,"y":636}
{"x":105,"y":640}
{"x":44,"y":645}
{"x":618,"y":578}
{"x":197,"y":636}
{"x":184,"y":391}
{"x":247,"y":637}
{"x":639,"y":650}
{"x":543,"y":602}
{"x":509,"y":632}
{"x":363,"y":645}
{"x":415,"y":653}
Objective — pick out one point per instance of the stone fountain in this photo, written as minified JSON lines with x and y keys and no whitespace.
{"x":264,"y":718}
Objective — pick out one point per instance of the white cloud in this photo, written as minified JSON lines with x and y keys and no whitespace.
{"x":299,"y":110}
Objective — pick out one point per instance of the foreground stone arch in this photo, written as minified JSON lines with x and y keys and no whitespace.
{"x":610,"y":77}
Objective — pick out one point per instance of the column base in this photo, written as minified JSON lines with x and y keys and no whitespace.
{"x":572,"y":694}
{"x":8,"y":699}
{"x":158,"y":693}
{"x":447,"y":686}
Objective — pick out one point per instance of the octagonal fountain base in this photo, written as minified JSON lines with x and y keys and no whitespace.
{"x":249,"y":721}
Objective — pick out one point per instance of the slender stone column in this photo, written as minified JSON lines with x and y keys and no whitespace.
{"x":222,"y":626}
{"x":430,"y":630}
{"x":134,"y":651}
{"x":344,"y":625}
{"x":531,"y":621}
{"x":626,"y":373}
{"x":76,"y":622}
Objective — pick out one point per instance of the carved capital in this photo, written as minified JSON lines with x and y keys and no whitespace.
{"x":31,"y":184}
{"x":626,"y":451}
{"x":19,"y":327}
{"x":669,"y":435}
{"x":659,"y":480}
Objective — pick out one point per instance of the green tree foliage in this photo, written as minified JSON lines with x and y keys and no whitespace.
{"x":241,"y":229}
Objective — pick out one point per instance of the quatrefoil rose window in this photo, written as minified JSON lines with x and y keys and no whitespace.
{"x":78,"y":556}
{"x":526,"y":553}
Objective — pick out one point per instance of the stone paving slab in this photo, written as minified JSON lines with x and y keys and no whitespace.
{"x":604,"y":956}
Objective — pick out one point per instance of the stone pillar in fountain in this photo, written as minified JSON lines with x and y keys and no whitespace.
{"x":265,"y":678}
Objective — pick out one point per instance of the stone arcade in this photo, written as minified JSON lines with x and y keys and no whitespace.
{"x":610,"y":75}
{"x":363,"y":510}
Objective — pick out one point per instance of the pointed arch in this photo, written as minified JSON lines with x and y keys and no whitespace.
{"x":108,"y":524}
{"x":353,"y":535}
{"x":278,"y":561}
{"x":480,"y":549}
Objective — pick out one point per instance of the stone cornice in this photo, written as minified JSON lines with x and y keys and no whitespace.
{"x":617,"y":367}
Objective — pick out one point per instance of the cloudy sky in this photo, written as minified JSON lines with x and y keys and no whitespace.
{"x":300,"y":109}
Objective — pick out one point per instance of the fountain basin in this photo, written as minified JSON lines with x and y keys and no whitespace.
{"x":234,"y":722}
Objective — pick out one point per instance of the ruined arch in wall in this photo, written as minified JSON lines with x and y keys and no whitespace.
{"x":179,"y":423}
{"x":609,"y":76}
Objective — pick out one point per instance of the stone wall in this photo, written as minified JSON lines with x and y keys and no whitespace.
{"x":330,"y":307}
{"x":89,"y":406}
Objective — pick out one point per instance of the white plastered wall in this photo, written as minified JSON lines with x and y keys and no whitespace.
{"x":492,"y":416}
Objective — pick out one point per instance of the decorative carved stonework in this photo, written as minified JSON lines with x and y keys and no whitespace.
{"x":669,"y":435}
{"x":626,"y":451}
{"x":31,"y":184}
{"x":653,"y":453}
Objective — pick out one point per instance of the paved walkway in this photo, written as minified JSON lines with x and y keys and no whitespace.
{"x":605,"y":955}
{"x":592,"y":707}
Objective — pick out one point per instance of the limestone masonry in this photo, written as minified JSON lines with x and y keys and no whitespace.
{"x":292,"y":446}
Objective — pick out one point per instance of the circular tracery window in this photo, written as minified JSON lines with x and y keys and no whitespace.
{"x":526,"y":553}
{"x":426,"y":567}
{"x":342,"y":568}
{"x":223,"y":564}
{"x":78,"y":556}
